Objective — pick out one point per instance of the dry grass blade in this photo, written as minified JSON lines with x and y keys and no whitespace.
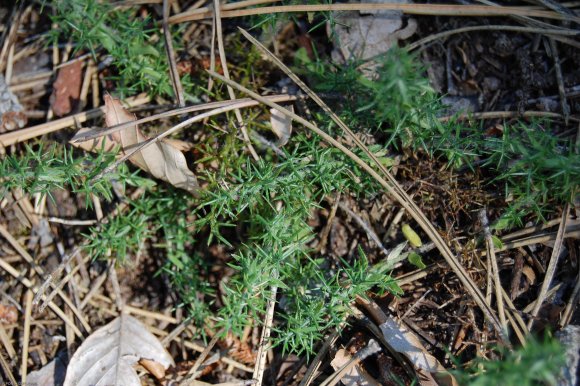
{"x":26,"y":256}
{"x":192,"y":373}
{"x":551,"y":270}
{"x":99,"y":132}
{"x":176,"y":82}
{"x":533,"y":23}
{"x":222,"y":51}
{"x":315,"y":365}
{"x":513,"y":28}
{"x":28,"y":284}
{"x":392,"y":186}
{"x":507,"y":115}
{"x":494,"y":267}
{"x":6,"y":369}
{"x":572,"y":303}
{"x":559,"y":79}
{"x":409,"y":9}
{"x":26,"y":337}
{"x":8,"y":139}
{"x":264,"y":340}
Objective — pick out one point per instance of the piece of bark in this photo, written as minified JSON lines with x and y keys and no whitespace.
{"x":67,"y":88}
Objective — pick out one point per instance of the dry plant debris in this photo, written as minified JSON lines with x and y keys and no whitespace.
{"x":162,"y":160}
{"x":107,"y":356}
{"x":248,"y":274}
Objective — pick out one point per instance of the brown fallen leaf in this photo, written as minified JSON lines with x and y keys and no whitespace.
{"x":67,"y":88}
{"x":8,"y":314}
{"x":154,"y":368}
{"x":107,"y":356}
{"x":162,"y":159}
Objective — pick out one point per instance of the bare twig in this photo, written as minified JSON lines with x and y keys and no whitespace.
{"x":371,"y":234}
{"x":265,"y":339}
{"x":554,"y":31}
{"x":175,"y":81}
{"x":326,"y":231}
{"x":559,"y":79}
{"x":65,"y":221}
{"x":26,"y":336}
{"x":13,"y":137}
{"x":551,"y":270}
{"x":222,"y":51}
{"x":409,"y":9}
{"x":494,"y":267}
{"x":507,"y":114}
{"x":28,"y":284}
{"x":99,"y":132}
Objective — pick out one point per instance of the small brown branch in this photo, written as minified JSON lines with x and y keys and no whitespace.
{"x":494,"y":267}
{"x":409,"y":9}
{"x":174,"y":74}
{"x":551,"y":270}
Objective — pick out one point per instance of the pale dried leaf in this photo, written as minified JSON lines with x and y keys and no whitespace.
{"x":107,"y":356}
{"x":51,"y":374}
{"x":356,"y":376}
{"x":364,"y":35}
{"x":402,"y":340}
{"x":281,"y":126}
{"x":162,"y":159}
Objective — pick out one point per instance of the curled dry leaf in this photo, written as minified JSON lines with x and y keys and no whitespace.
{"x":107,"y":356}
{"x":281,"y":126}
{"x":356,"y":376}
{"x":162,"y":159}
{"x":403,"y":341}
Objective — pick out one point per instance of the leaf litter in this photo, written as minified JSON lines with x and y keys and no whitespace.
{"x":107,"y":356}
{"x":163,"y":159}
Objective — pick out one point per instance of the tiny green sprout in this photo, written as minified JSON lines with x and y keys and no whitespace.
{"x":416,"y":259}
{"x":411,"y":236}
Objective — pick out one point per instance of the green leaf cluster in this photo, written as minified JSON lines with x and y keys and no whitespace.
{"x":538,"y":363}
